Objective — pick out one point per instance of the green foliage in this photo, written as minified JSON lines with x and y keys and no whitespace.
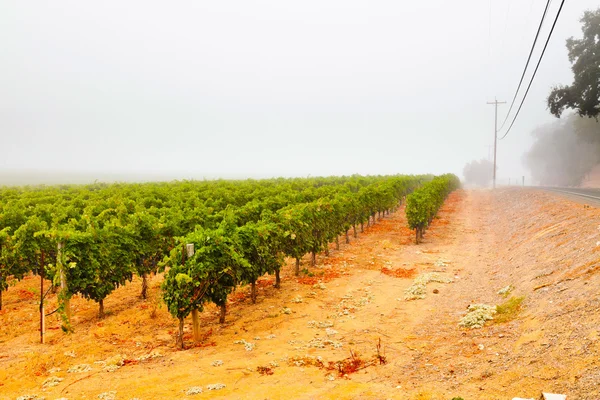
{"x":423,"y":204}
{"x":260,"y":245}
{"x":508,"y":310}
{"x":8,"y":262}
{"x":210,"y":273}
{"x":584,"y":55}
{"x":240,"y":230}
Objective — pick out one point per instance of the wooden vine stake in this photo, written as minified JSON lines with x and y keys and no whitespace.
{"x":42,"y":317}
{"x":63,"y":283}
{"x":195,"y":314}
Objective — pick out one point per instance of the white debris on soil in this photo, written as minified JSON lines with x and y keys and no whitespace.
{"x":552,"y":396}
{"x":149,"y":356}
{"x":286,"y":310}
{"x":194,"y":390}
{"x":247,"y":345}
{"x":415,"y":291}
{"x":271,"y":336}
{"x":79,"y":368}
{"x":505,"y":291}
{"x":418,"y":289}
{"x":330,"y":332}
{"x":477,"y":315}
{"x":30,"y":397}
{"x":111,"y":395}
{"x":70,"y":354}
{"x":217,"y":363}
{"x":113,"y":363}
{"x":302,"y":361}
{"x":319,"y":343}
{"x":322,"y":324}
{"x":51,"y":382}
{"x":349,"y":304}
{"x":215,"y":386}
{"x":297,"y":299}
{"x":441,"y":263}
{"x":319,"y":285}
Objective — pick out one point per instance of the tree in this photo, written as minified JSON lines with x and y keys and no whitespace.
{"x":583,"y":95}
{"x":479,"y":173}
{"x":564,"y":151}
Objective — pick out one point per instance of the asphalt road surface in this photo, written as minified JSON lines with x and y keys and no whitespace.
{"x":579,"y":195}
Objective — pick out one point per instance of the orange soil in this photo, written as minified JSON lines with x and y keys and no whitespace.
{"x":316,"y":326}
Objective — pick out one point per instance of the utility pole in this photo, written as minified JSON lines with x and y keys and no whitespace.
{"x":495,"y":103}
{"x":489,"y":152}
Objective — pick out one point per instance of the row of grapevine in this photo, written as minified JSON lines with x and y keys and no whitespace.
{"x":423,"y":204}
{"x":88,"y":240}
{"x":242,"y":249}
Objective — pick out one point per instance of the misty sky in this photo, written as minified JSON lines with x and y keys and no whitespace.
{"x":270,"y":88}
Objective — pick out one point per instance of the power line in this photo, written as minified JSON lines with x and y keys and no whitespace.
{"x":536,"y":69}
{"x":527,"y":64}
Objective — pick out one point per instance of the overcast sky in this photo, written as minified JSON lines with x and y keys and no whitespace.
{"x":270,"y":88}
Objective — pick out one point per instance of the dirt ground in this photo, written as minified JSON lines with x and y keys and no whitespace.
{"x":294,"y":341}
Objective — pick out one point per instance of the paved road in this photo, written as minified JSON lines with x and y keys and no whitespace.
{"x":583,"y":196}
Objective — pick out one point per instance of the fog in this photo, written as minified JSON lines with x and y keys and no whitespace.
{"x":564,"y":151}
{"x":143,"y":90}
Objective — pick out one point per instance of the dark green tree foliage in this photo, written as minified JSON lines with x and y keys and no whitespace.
{"x":583,"y":95}
{"x":423,"y":204}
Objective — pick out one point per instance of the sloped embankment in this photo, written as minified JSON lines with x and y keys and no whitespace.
{"x":553,"y":257}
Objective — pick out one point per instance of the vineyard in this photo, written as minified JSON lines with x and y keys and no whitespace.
{"x":208,"y":237}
